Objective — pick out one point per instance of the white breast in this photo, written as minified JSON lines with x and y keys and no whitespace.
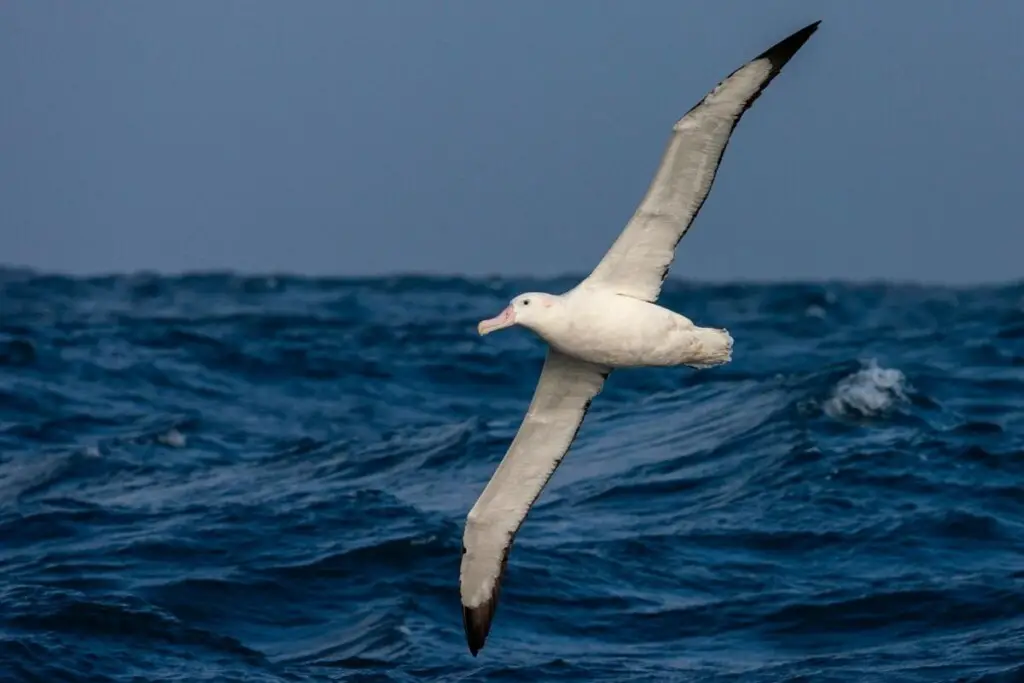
{"x":620,"y":331}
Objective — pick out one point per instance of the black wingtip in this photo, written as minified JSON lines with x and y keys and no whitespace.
{"x":782,"y":51}
{"x":477,"y":621}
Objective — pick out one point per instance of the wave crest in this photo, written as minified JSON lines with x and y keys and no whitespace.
{"x":871,"y":391}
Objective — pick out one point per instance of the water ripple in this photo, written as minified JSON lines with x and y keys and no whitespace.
{"x":214,"y":477}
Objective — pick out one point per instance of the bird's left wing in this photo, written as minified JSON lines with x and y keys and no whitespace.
{"x":638,"y":261}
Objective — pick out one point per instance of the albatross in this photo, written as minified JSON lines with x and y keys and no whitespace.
{"x":609,"y":320}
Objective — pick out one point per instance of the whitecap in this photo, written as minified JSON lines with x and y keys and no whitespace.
{"x":172,"y":438}
{"x":870,"y":391}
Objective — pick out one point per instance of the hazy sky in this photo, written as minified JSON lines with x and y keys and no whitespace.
{"x":353,"y":137}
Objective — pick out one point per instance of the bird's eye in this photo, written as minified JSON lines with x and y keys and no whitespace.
{"x":526,"y":302}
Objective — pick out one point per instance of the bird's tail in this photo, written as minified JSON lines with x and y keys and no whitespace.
{"x":715,"y":348}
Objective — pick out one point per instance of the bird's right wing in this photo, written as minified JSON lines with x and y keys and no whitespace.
{"x":564,"y":392}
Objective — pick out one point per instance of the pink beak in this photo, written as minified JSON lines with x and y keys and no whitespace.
{"x":506,"y":318}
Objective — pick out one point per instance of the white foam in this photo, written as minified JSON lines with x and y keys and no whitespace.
{"x":870,"y":391}
{"x":172,"y":438}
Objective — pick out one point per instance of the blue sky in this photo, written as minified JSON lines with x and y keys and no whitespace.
{"x":352,"y":138}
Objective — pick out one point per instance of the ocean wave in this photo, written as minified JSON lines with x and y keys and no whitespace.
{"x":216,"y":477}
{"x":872,"y":390}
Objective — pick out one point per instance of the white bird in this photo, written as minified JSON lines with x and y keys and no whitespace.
{"x":609,"y":320}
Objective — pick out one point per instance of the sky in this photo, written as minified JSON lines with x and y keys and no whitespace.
{"x":349,"y":138}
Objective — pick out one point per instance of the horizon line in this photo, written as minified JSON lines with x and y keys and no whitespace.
{"x":34,"y":272}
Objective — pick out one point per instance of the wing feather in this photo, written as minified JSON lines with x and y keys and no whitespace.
{"x":561,"y":400}
{"x":639,"y":260}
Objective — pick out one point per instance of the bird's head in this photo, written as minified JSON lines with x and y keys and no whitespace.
{"x":530,"y":310}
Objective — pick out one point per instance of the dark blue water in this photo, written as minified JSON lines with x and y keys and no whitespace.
{"x":216,"y":478}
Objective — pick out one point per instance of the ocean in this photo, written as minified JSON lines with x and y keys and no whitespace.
{"x":224,"y":478}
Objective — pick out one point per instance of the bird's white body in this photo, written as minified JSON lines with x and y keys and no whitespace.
{"x":618,"y":331}
{"x":610,"y":320}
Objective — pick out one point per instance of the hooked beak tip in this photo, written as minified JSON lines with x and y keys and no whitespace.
{"x":506,"y":318}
